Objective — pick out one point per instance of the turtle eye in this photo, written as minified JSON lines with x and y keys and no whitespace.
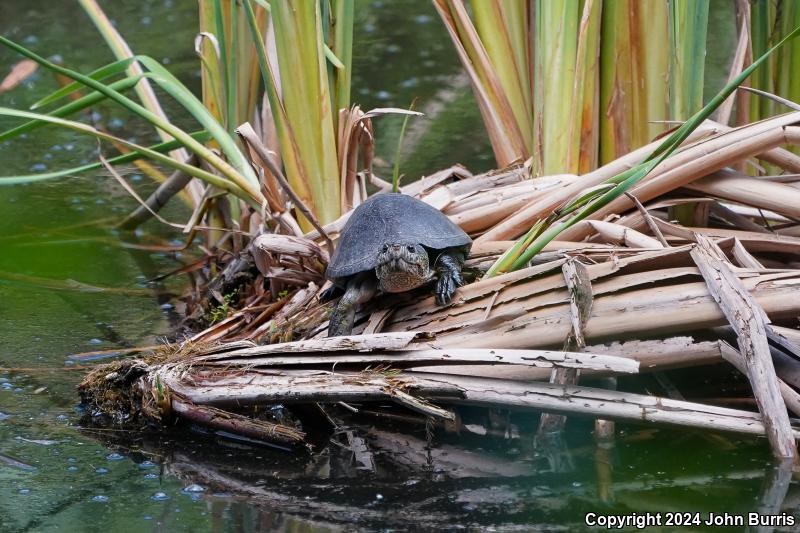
{"x":411,"y":249}
{"x":385,"y":248}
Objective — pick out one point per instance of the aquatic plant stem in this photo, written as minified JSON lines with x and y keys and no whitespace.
{"x":625,"y":180}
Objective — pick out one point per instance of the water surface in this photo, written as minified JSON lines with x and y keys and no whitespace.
{"x":70,"y":284}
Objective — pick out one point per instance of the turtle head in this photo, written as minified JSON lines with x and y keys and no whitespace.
{"x":402,"y":267}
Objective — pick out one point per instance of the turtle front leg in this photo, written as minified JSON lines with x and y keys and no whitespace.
{"x":359,"y":290}
{"x":448,"y":268}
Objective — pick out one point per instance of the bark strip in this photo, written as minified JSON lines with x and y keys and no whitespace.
{"x":749,"y":321}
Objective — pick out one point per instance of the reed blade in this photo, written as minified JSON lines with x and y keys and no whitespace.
{"x":132,"y":156}
{"x":73,"y":107}
{"x":243,"y":177}
{"x":106,"y":71}
{"x":141,"y":150}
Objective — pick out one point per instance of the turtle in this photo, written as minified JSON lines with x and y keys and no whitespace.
{"x":393,"y":243}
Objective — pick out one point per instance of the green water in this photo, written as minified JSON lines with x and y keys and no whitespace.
{"x":57,"y":235}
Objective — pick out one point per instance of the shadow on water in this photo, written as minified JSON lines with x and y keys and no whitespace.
{"x":68,"y":286}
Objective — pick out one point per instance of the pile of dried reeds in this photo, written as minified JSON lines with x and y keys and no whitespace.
{"x":697,"y":265}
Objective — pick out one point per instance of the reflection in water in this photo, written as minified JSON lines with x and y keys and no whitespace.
{"x":411,"y":486}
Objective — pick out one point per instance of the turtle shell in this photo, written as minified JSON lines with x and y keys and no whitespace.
{"x":390,"y":218}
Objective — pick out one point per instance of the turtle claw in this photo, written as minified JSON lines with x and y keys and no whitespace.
{"x":447,"y":285}
{"x":450,"y":278}
{"x":444,"y":290}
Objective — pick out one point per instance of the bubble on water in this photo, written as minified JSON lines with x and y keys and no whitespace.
{"x":116,"y":123}
{"x":383,"y":95}
{"x":101,"y":470}
{"x":95,"y":341}
{"x":72,"y":468}
{"x":379,"y":496}
{"x":24,"y":491}
{"x":422,"y":19}
{"x":100,"y":498}
{"x":69,"y":147}
{"x":38,"y":167}
{"x":151,"y":475}
{"x":115,"y":457}
{"x":136,"y":177}
{"x":6,"y":386}
{"x":56,"y":148}
{"x":159,"y":497}
{"x":193,"y":489}
{"x":146,"y":20}
{"x":147,"y":464}
{"x":30,"y":39}
{"x":71,"y":460}
{"x":3,"y":416}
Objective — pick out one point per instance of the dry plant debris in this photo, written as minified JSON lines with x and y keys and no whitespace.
{"x":631,"y":289}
